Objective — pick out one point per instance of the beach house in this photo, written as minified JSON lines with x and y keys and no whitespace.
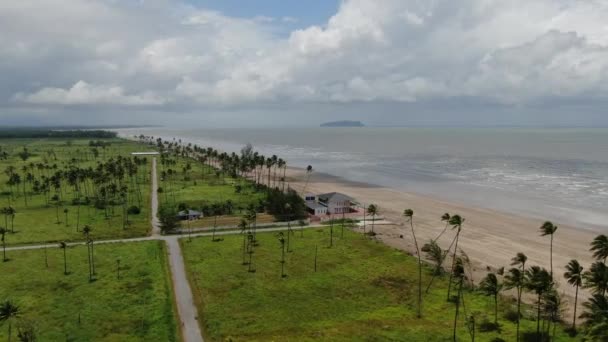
{"x":329,"y":204}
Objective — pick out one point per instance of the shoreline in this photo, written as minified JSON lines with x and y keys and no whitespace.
{"x":489,"y":237}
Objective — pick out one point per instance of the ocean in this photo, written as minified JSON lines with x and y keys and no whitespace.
{"x":552,"y":174}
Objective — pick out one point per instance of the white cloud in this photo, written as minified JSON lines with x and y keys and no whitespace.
{"x":510,"y":52}
{"x":84,"y":93}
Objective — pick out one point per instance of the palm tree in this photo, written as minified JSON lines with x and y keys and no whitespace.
{"x":596,"y":278}
{"x":444,"y":218}
{"x":435,"y":254}
{"x":539,"y":281}
{"x":459,"y":276}
{"x":373,"y":211}
{"x":549,"y":228}
{"x":520,"y":260}
{"x":3,"y":232}
{"x":599,"y":247}
{"x":595,"y":310}
{"x":64,"y":246}
{"x":490,"y":286}
{"x":8,"y":312}
{"x":515,"y":279}
{"x":574,"y":276}
{"x":456,"y":222}
{"x":409,"y":215}
{"x":282,"y":242}
{"x":308,"y":173}
{"x":65,"y":211}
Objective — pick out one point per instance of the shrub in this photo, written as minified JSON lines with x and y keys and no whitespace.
{"x":133,"y":210}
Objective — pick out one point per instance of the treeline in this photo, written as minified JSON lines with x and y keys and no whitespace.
{"x":25,"y":133}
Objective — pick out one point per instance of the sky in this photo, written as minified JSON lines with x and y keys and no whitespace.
{"x":228,"y":63}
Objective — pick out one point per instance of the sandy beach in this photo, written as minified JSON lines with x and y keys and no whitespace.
{"x":490,"y":238}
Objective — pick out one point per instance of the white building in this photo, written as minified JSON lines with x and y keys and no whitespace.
{"x":330,"y":203}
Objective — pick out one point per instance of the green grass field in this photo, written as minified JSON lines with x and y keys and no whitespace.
{"x":42,"y":220}
{"x":136,"y":307}
{"x":362,"y":291}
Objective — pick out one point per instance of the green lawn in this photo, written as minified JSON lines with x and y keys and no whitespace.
{"x":136,"y":307}
{"x":362,"y":291}
{"x":38,"y":220}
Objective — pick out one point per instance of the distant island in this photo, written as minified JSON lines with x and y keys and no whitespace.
{"x":343,"y":124}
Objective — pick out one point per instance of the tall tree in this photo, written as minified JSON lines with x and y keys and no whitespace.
{"x":444,"y":218}
{"x":458,"y":275}
{"x":372,"y":210}
{"x":456,"y":222}
{"x":8,"y":312}
{"x":599,"y":247}
{"x":3,"y":232}
{"x":539,"y":281}
{"x":549,"y":228}
{"x":515,"y":279}
{"x":491,"y":286}
{"x":574,"y":276}
{"x":409,"y":215}
{"x":64,"y":246}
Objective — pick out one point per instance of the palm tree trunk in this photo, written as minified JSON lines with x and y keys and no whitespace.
{"x":551,"y":256}
{"x":575,"y":302}
{"x":457,"y":309}
{"x":453,"y":262}
{"x":496,"y":310}
{"x":538,"y":317}
{"x":419,"y":269}
{"x":519,"y":290}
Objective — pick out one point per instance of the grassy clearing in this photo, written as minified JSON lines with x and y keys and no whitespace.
{"x":136,"y":307}
{"x":44,"y":220}
{"x":362,"y":291}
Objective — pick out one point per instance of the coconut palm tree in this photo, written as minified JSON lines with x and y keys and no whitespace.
{"x":515,"y":279}
{"x":64,"y":246}
{"x":409,"y":215}
{"x":459,"y":276}
{"x":596,"y":278}
{"x":549,"y":228}
{"x":309,"y":171}
{"x":8,"y":312}
{"x":456,"y":222}
{"x":599,"y":247}
{"x":372,"y":210}
{"x":574,"y":276}
{"x":595,"y":310}
{"x":539,"y":281}
{"x":444,"y":218}
{"x":520,"y":260}
{"x":435,"y":254}
{"x":491,"y":286}
{"x":3,"y":232}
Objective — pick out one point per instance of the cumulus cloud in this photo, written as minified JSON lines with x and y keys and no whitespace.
{"x":164,"y":53}
{"x":84,"y":93}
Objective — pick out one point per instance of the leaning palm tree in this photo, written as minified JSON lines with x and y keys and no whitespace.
{"x":64,"y":246}
{"x":539,"y":281}
{"x":444,"y":218}
{"x":549,"y":228}
{"x":456,"y":222}
{"x":515,"y":279}
{"x":435,"y":254}
{"x":574,"y":276}
{"x":373,"y":211}
{"x":8,"y":312}
{"x":3,"y":232}
{"x":409,"y":215}
{"x":520,"y":260}
{"x":490,"y":286}
{"x":308,"y":173}
{"x":596,"y":278}
{"x":599,"y":247}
